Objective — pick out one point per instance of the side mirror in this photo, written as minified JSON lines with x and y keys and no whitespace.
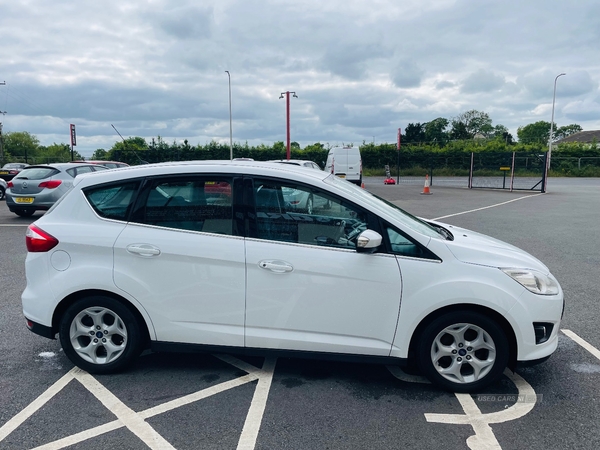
{"x":368,"y":241}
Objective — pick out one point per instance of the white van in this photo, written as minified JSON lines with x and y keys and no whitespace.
{"x":345,"y":162}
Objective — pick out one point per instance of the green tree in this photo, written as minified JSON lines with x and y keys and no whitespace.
{"x":56,"y":153}
{"x":501,"y":133}
{"x":435,"y":131}
{"x":22,"y":145}
{"x":100,"y":153}
{"x":459,"y":132}
{"x":131,"y":150}
{"x":534,"y":133}
{"x":413,"y":133}
{"x":567,"y":130}
{"x":473,"y":122}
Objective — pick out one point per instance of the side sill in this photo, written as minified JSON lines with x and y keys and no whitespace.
{"x":174,"y":347}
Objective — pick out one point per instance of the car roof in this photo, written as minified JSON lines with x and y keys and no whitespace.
{"x":292,"y":161}
{"x":98,"y":161}
{"x":219,"y":166}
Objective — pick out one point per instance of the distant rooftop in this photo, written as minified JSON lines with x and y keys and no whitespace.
{"x":586,"y":137}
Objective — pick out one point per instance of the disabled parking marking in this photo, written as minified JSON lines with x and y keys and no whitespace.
{"x":484,"y":437}
{"x":136,"y":421}
{"x":589,"y":347}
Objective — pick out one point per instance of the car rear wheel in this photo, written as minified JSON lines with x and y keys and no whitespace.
{"x":463,"y":351}
{"x":100,"y":335}
{"x":27,"y":212}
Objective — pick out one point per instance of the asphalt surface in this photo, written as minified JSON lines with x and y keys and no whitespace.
{"x":192,"y":401}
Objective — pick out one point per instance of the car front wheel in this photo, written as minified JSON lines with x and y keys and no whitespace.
{"x":463,"y":351}
{"x":100,"y":335}
{"x":309,"y":205}
{"x":1,"y":193}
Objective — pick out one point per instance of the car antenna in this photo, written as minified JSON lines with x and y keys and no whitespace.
{"x":125,"y":142}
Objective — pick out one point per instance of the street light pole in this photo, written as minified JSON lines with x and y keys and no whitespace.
{"x":230,"y":123}
{"x":552,"y":120}
{"x":287,"y":112}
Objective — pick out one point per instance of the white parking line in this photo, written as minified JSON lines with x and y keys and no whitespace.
{"x":257,"y":407}
{"x":589,"y":347}
{"x":26,"y":413}
{"x":127,"y":416}
{"x":136,"y":421}
{"x":487,"y":207}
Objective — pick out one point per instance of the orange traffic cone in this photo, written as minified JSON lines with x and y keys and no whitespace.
{"x":362,"y":185}
{"x":426,"y":188}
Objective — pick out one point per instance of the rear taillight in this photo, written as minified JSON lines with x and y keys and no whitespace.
{"x":9,"y":184}
{"x":332,"y":164}
{"x":50,"y":184}
{"x":38,"y":240}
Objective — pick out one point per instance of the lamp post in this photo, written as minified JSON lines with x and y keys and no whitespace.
{"x":230,"y":124}
{"x":552,"y":122}
{"x":287,"y":111}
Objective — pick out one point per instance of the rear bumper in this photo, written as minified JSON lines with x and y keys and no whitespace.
{"x":40,"y":329}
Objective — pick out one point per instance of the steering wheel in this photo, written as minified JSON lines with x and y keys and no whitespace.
{"x":357,"y":228}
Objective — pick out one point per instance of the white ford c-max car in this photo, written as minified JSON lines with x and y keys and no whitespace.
{"x":155,"y":257}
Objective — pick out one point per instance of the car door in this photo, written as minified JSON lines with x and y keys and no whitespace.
{"x":307,"y":287}
{"x":180,"y":258}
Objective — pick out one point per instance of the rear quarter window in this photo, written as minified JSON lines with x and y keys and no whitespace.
{"x":112,"y":201}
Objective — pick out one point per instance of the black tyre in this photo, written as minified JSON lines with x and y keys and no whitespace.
{"x":27,"y":212}
{"x":1,"y":193}
{"x":101,"y":335}
{"x":463,"y":351}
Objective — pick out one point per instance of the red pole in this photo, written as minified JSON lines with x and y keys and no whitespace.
{"x":287,"y":111}
{"x":398,"y":157}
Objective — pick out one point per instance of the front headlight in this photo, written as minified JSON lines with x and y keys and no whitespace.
{"x":534,"y":281}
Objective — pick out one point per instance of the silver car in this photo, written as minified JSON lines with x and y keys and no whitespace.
{"x":37,"y":188}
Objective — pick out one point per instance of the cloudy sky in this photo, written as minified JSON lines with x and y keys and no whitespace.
{"x":361,"y":69}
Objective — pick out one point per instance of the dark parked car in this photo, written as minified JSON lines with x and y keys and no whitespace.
{"x":8,"y":171}
{"x":37,"y":188}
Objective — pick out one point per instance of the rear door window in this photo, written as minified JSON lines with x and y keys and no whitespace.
{"x":195,"y":203}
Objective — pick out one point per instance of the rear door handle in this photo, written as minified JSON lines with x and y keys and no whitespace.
{"x":146,"y":250}
{"x":276,"y":266}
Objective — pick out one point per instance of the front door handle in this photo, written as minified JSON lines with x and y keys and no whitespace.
{"x":276,"y":266}
{"x":146,"y":250}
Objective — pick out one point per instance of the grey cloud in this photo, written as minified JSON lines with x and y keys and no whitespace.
{"x":186,"y":22}
{"x":407,"y":74}
{"x":482,"y":81}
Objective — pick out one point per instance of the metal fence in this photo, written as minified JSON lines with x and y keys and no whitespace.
{"x":508,"y":170}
